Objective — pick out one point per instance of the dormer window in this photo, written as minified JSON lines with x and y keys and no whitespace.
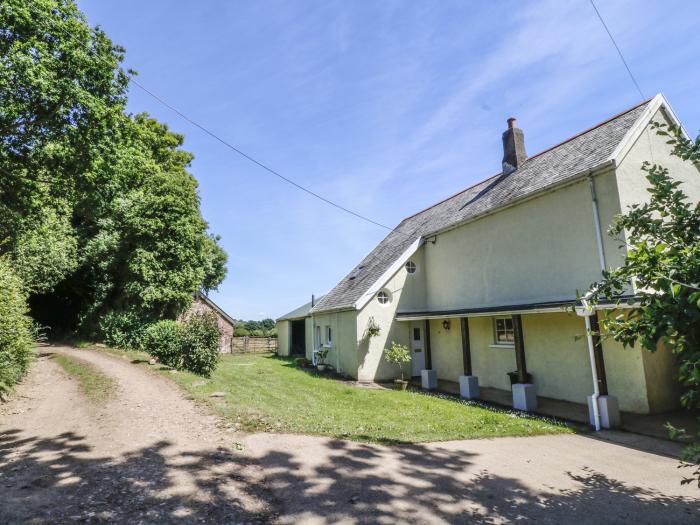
{"x":354,"y":274}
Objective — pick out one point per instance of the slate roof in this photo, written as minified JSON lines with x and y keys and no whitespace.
{"x":299,"y":313}
{"x":552,"y":167}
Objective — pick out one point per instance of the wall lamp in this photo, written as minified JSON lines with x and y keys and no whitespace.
{"x":446,"y":324}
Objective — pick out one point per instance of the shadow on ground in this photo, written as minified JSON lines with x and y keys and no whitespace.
{"x":56,"y":481}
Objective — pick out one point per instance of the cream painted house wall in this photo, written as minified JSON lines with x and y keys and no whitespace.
{"x":370,"y":351}
{"x":490,"y":363}
{"x":652,"y":147}
{"x":309,"y":337}
{"x":624,"y":369}
{"x":343,"y":330}
{"x":541,"y":250}
{"x":283,"y":338}
{"x":660,"y":370}
{"x":446,"y":349}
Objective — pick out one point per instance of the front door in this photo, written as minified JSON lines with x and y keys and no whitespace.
{"x":417,"y":350}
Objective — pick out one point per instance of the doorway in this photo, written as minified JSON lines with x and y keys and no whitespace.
{"x":297,"y":344}
{"x":417,"y":350}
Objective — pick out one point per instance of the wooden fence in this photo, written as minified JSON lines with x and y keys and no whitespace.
{"x":253,"y":345}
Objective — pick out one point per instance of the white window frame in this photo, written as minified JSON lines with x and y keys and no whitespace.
{"x":496,"y":341}
{"x":329,"y":336}
{"x":413,"y":265}
{"x":317,"y":337}
{"x":385,"y":293}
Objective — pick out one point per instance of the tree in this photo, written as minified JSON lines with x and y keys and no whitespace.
{"x":398,"y":354}
{"x":662,"y":237}
{"x":59,"y":96}
{"x":16,"y":331}
{"x":98,"y":212}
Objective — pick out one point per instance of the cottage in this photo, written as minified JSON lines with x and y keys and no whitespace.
{"x":479,"y":286}
{"x":227,"y":324}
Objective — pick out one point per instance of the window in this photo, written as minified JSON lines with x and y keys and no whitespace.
{"x":329,"y":335}
{"x":383,"y":297}
{"x":411,"y":267}
{"x":503,"y":331}
{"x":317,"y":337}
{"x":416,"y":334}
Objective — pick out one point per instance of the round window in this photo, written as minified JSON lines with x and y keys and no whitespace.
{"x":411,"y":267}
{"x":383,"y":297}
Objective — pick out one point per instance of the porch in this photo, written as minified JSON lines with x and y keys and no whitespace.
{"x":651,"y":425}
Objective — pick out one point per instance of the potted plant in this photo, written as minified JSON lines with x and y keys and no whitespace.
{"x":373,"y":329}
{"x":321,"y":355}
{"x":398,"y":355}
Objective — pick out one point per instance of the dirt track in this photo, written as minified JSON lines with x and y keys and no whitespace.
{"x":153,"y":456}
{"x":149,"y":455}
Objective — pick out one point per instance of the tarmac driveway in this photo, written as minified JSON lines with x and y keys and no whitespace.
{"x":545,"y":479}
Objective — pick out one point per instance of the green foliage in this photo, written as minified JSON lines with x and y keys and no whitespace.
{"x":200,"y":339}
{"x":662,"y":237}
{"x":264,"y":328}
{"x":192,"y":345}
{"x":97,"y":386}
{"x":398,"y":355}
{"x":97,"y":209}
{"x":45,"y":251}
{"x":61,"y":88}
{"x":321,"y":355}
{"x":122,"y":329}
{"x":16,"y":331}
{"x":162,"y":341}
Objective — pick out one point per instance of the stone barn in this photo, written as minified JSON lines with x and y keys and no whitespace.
{"x":227,"y":324}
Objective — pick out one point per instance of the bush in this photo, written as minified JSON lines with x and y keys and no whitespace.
{"x":16,"y":329}
{"x":398,"y":355}
{"x":162,"y":340}
{"x":191,"y":345}
{"x":122,"y":329}
{"x":200,"y":342}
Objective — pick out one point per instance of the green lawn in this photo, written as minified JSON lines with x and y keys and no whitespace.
{"x":96,"y":386}
{"x":265,"y":393}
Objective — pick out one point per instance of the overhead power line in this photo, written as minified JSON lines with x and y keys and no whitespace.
{"x":245,"y":155}
{"x":619,"y":51}
{"x":254,"y":160}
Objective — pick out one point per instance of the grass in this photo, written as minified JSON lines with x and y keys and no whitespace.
{"x":96,"y":386}
{"x":268,"y":393}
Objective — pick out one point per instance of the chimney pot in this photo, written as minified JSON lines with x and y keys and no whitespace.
{"x":514,"y":154}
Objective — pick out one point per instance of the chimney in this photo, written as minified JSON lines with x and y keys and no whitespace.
{"x":513,"y":148}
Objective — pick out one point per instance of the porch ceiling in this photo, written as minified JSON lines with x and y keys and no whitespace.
{"x":529,"y":308}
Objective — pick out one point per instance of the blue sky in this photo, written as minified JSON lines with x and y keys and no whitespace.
{"x":383,"y":106}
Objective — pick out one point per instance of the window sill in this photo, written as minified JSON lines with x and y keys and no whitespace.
{"x":501,"y":346}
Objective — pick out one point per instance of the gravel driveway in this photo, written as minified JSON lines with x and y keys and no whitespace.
{"x":152,"y":456}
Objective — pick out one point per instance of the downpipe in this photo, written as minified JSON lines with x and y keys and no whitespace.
{"x":587,"y":312}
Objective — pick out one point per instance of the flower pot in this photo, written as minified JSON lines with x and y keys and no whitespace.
{"x":400,"y":384}
{"x":321,"y":368}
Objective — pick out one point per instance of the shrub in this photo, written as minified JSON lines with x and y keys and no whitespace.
{"x":190,"y":345}
{"x":16,"y":330}
{"x":122,"y":329}
{"x":162,"y":340}
{"x":398,"y":355}
{"x":200,"y":342}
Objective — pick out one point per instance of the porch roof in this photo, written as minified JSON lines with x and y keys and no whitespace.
{"x":528,"y":308}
